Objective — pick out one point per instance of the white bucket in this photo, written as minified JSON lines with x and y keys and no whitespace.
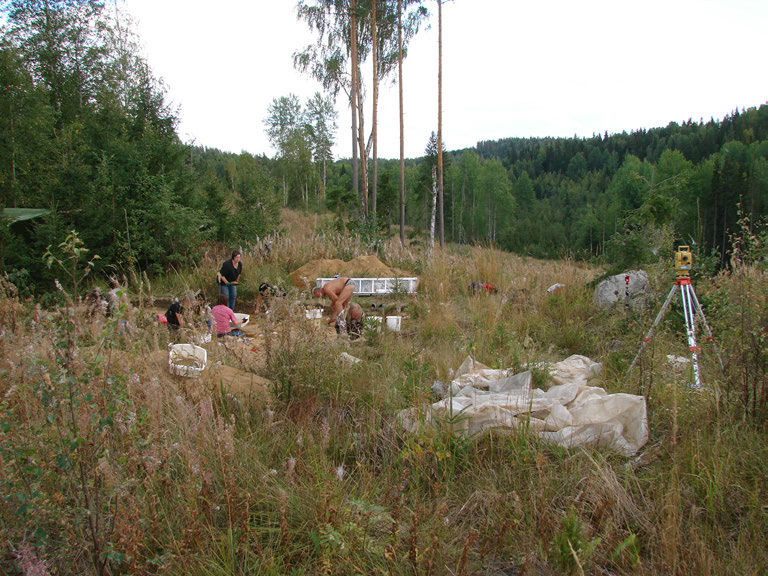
{"x":187,"y":360}
{"x":242,"y":319}
{"x":313,"y":313}
{"x":393,"y":323}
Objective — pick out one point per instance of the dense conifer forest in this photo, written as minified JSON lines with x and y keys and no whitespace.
{"x":86,"y":135}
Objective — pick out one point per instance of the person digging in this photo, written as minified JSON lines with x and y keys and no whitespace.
{"x":340,"y":291}
{"x":354,"y":322}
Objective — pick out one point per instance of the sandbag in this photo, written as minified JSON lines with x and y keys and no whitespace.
{"x":570,"y":413}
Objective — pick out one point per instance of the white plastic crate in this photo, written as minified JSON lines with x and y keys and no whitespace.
{"x":374,"y":286}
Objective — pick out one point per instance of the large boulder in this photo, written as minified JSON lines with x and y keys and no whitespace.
{"x":629,"y":288}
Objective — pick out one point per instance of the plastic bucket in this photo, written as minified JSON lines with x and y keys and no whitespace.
{"x":393,"y":323}
{"x":242,"y":319}
{"x":187,"y":360}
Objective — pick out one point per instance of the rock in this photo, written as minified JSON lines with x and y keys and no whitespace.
{"x":349,"y":359}
{"x":630,"y":288}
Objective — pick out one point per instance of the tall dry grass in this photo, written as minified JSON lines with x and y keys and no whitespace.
{"x":109,"y":465}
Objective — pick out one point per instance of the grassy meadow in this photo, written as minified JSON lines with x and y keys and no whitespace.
{"x":110,"y":465}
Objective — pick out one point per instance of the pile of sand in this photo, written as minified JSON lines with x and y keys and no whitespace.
{"x":361,"y":267}
{"x":240,"y":383}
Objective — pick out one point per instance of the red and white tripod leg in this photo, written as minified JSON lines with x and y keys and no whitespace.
{"x":690,"y":328}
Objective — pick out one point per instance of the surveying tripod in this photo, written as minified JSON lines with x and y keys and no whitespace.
{"x":691,"y":306}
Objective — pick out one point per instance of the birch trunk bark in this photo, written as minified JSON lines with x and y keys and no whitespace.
{"x":434,"y":208}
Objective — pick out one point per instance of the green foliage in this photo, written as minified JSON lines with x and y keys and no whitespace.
{"x":303,"y":138}
{"x":571,"y":548}
{"x":73,"y":440}
{"x":740,"y":314}
{"x":93,"y":140}
{"x":341,"y":200}
{"x":69,"y":256}
{"x":587,"y":191}
{"x":629,"y":549}
{"x":88,"y":135}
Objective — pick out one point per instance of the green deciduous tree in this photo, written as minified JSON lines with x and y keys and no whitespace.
{"x":85,"y":131}
{"x":334,"y":60}
{"x":320,"y":117}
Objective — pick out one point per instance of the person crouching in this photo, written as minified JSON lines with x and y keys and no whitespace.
{"x":339,"y":291}
{"x":223,"y":315}
{"x":352,"y":324}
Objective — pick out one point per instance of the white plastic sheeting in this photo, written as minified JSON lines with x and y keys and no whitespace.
{"x":570,"y":413}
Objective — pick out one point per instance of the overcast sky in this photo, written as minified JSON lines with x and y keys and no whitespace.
{"x":510,"y":68}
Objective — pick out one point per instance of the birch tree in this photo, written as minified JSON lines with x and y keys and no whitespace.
{"x":334,"y":60}
{"x":321,"y":120}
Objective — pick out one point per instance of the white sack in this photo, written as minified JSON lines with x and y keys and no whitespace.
{"x":570,"y":413}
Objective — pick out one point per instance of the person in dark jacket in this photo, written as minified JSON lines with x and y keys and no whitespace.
{"x":229,"y":276}
{"x":176,"y":312}
{"x":266,"y":293}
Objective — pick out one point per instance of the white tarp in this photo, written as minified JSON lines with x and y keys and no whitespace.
{"x":570,"y":413}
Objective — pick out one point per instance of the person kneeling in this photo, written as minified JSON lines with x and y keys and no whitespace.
{"x":179,"y":314}
{"x":353,"y":323}
{"x":223,"y":315}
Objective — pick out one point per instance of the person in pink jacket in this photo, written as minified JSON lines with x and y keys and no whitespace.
{"x":223,"y":315}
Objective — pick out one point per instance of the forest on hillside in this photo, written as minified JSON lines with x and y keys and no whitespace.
{"x":87,"y":137}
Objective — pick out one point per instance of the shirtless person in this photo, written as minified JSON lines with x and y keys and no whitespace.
{"x":339,"y":290}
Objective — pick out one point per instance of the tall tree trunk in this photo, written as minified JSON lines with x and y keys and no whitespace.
{"x":353,"y":103}
{"x":440,"y":117}
{"x":462,"y":230}
{"x":402,"y":133}
{"x":325,"y":175}
{"x":434,"y":208}
{"x":13,"y":147}
{"x":375,"y":106}
{"x":490,"y":216}
{"x":453,"y":213}
{"x":361,"y":145}
{"x":473,"y":216}
{"x":358,"y":103}
{"x":723,"y":244}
